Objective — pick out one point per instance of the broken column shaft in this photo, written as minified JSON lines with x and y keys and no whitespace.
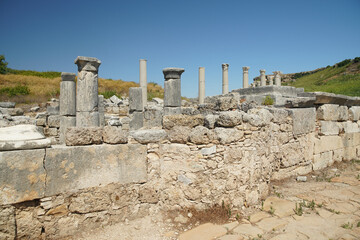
{"x":246,"y":77}
{"x":201,"y":85}
{"x":225,"y":78}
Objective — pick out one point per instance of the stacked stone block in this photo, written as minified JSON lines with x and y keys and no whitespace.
{"x":87,"y":113}
{"x":136,"y":108}
{"x":172,"y":90}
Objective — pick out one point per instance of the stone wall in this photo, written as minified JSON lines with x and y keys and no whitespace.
{"x":191,"y":160}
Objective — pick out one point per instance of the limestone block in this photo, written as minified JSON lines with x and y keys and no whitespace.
{"x":350,"y":127}
{"x":226,"y":103}
{"x":41,"y":122}
{"x":27,"y":226}
{"x":114,"y":135}
{"x":354,"y":113}
{"x":137,"y":120}
{"x":322,"y":160}
{"x":87,"y":92}
{"x":21,"y":132}
{"x":229,"y":119}
{"x":253,"y":119}
{"x":210,"y":120}
{"x":22,"y":176}
{"x":68,"y":98}
{"x":189,"y":111}
{"x":179,"y":134}
{"x":116,"y":100}
{"x":171,"y":121}
{"x":338,"y":155}
{"x":228,"y":135}
{"x":172,"y":110}
{"x":74,"y":168}
{"x":329,"y":128}
{"x":291,"y":154}
{"x":7,"y":222}
{"x":76,"y":136}
{"x":328,"y":112}
{"x":149,"y":135}
{"x":343,"y":113}
{"x":350,"y":153}
{"x":25,"y":144}
{"x":327,"y":143}
{"x":172,"y":93}
{"x":208,"y":151}
{"x":53,"y":110}
{"x":135,"y":99}
{"x":51,"y":132}
{"x":303,"y":120}
{"x":153,"y":117}
{"x":87,"y":119}
{"x":65,"y":76}
{"x":351,"y":139}
{"x":65,"y":123}
{"x":12,"y":111}
{"x":114,"y":121}
{"x":7,"y":104}
{"x":201,"y":135}
{"x":54,"y":121}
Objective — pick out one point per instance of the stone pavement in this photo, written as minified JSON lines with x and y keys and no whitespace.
{"x":326,"y":207}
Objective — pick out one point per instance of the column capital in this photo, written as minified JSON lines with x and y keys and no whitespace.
{"x":65,"y":76}
{"x":87,"y":64}
{"x":225,"y":66}
{"x":246,"y":69}
{"x":173,"y":73}
{"x":262,"y":71}
{"x":276,"y":72}
{"x":270,"y":77}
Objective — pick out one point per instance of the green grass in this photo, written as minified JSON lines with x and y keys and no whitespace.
{"x":332,"y":80}
{"x":49,"y":74}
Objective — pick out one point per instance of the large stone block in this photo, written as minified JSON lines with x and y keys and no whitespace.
{"x":328,"y":143}
{"x":153,"y":117}
{"x":350,"y":153}
{"x":171,"y":121}
{"x":76,"y":136}
{"x":87,"y":92}
{"x":72,"y":168}
{"x":229,"y":119}
{"x":114,"y":135}
{"x":328,"y":112}
{"x":329,"y":128}
{"x":354,"y":113}
{"x":68,"y":98}
{"x":65,"y":123}
{"x":137,"y":120}
{"x":172,"y":93}
{"x":201,"y":135}
{"x":172,"y":110}
{"x":228,"y":135}
{"x":179,"y":134}
{"x":303,"y":120}
{"x":343,"y":113}
{"x":149,"y":135}
{"x":135,"y":99}
{"x":7,"y":223}
{"x":54,"y":121}
{"x":350,"y":127}
{"x":351,"y":139}
{"x":22,"y":176}
{"x":322,"y":160}
{"x":87,"y":119}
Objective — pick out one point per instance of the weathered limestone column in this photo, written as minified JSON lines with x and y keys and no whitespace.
{"x":262,"y":77}
{"x":246,"y":77}
{"x":143,"y":80}
{"x":277,"y":78}
{"x":136,"y":108}
{"x":101,"y":108}
{"x":225,"y":78}
{"x":87,"y":98}
{"x":201,"y":85}
{"x":271,"y":80}
{"x":67,"y":103}
{"x":172,"y":90}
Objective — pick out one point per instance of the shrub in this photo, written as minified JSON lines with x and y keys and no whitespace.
{"x":343,"y":63}
{"x":109,"y":94}
{"x":268,"y":101}
{"x":3,"y":65}
{"x":15,"y":91}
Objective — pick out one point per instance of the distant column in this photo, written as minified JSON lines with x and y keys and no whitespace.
{"x":277,"y":78}
{"x":246,"y":77}
{"x":262,"y":77}
{"x":172,"y":90}
{"x":201,"y":85}
{"x":271,"y":80}
{"x":143,"y":80}
{"x":225,"y":78}
{"x":87,"y":98}
{"x":67,"y":103}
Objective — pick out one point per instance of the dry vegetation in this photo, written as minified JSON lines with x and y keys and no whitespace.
{"x":42,"y":89}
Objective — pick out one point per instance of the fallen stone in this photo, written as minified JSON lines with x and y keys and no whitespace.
{"x":35,"y":109}
{"x":207,"y":231}
{"x":301,"y":178}
{"x":158,"y":101}
{"x":114,"y":99}
{"x":149,"y":135}
{"x":210,"y":120}
{"x":7,"y":104}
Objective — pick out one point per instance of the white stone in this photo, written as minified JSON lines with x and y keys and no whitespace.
{"x":225,"y":78}
{"x":329,"y":128}
{"x":143,"y":80}
{"x":208,"y":151}
{"x":20,"y":133}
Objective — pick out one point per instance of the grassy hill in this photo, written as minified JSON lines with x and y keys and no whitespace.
{"x":22,"y":86}
{"x":341,"y":78}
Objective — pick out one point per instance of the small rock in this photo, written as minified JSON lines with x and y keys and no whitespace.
{"x":301,"y":178}
{"x":35,"y":109}
{"x":181,"y":219}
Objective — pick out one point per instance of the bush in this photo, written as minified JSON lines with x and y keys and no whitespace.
{"x":15,"y":91}
{"x":357,"y":59}
{"x":268,"y":101}
{"x":109,"y":94}
{"x":3,"y":65}
{"x":343,"y":63}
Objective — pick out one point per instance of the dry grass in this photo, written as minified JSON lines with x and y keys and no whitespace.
{"x":42,"y":89}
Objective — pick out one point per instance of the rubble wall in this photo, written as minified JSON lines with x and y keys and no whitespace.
{"x":192,"y":161}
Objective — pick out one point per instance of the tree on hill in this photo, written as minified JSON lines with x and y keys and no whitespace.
{"x":3,"y":64}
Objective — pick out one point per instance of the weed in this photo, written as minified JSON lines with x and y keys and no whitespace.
{"x":358,"y":224}
{"x":262,"y":205}
{"x":358,"y":177}
{"x":279,"y":195}
{"x":109,"y":94}
{"x":298,"y":209}
{"x":271,"y":211}
{"x":268,"y":101}
{"x":237,"y":217}
{"x":347,"y":225}
{"x":333,"y":211}
{"x":320,"y":205}
{"x":310,"y":205}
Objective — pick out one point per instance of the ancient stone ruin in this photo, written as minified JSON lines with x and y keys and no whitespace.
{"x":102,"y":161}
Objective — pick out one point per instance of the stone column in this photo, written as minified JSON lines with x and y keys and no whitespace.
{"x":136,"y":108}
{"x":246,"y":77}
{"x":67,"y":103}
{"x":271,"y":80}
{"x":225,"y":78}
{"x":143,"y":80}
{"x":262,"y":77}
{"x":277,"y":78}
{"x":87,"y":98}
{"x":172,"y":90}
{"x":201,"y":85}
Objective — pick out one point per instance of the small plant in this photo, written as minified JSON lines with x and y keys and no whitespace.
{"x":279,"y":195}
{"x":262,"y":205}
{"x":268,"y":101}
{"x":109,"y":94}
{"x":333,"y":211}
{"x":298,"y":209}
{"x":271,"y":211}
{"x":237,"y":217}
{"x":347,"y":225}
{"x":358,"y":224}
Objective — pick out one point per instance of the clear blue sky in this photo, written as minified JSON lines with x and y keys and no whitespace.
{"x":289,"y":36}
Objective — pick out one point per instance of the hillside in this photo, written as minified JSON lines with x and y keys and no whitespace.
{"x":39,"y":87}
